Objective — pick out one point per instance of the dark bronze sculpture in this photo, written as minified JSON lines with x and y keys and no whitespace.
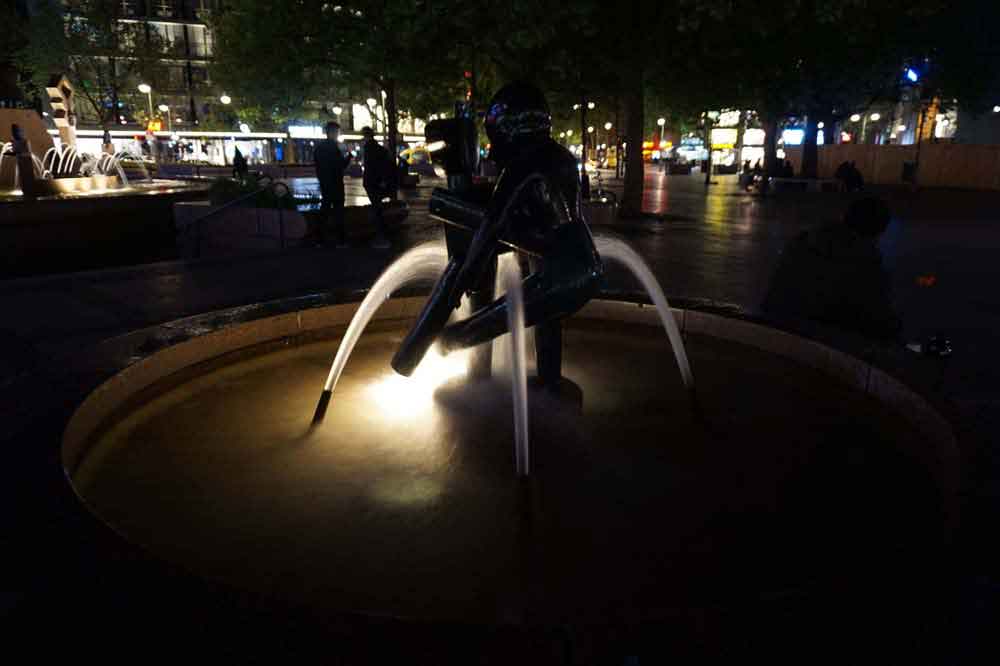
{"x":535,"y":209}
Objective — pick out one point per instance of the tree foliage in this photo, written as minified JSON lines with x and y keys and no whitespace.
{"x":103,"y":57}
{"x":816,"y":59}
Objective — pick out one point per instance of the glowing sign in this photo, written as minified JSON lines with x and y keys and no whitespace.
{"x":729,"y":119}
{"x":793,"y":136}
{"x":753,"y":137}
{"x":723,"y":137}
{"x":306,"y":132}
{"x":154,"y":125}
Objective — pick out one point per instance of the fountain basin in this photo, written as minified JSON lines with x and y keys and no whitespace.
{"x":811,"y":471}
{"x":54,"y":186}
{"x":98,"y":228}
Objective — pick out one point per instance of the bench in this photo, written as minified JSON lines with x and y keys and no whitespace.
{"x":805,"y":184}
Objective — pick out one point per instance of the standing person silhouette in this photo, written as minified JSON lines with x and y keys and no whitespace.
{"x":331,"y":162}
{"x":379,"y":181}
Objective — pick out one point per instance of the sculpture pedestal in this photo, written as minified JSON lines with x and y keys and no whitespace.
{"x":564,"y":394}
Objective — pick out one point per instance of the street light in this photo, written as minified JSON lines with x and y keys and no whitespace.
{"x":855,"y":118}
{"x":562,"y":135}
{"x":225,"y":99}
{"x":820,"y":125}
{"x":996,"y":109}
{"x":590,"y":129}
{"x":661,"y":121}
{"x":145,"y":89}
{"x":875,"y":117}
{"x":608,"y":126}
{"x":569,"y":132}
{"x":591,"y":105}
{"x":576,"y":107}
{"x":336,"y":110}
{"x":166,"y":109}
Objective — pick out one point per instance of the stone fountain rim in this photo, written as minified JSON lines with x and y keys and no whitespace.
{"x":96,"y":547}
{"x":166,"y":351}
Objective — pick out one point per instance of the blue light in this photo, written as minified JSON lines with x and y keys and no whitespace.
{"x":793,"y":136}
{"x":912,"y":75}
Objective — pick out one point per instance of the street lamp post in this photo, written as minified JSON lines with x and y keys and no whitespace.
{"x":166,"y":109}
{"x":147,"y":90}
{"x":660,"y":122}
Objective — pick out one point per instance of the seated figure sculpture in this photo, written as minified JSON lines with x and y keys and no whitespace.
{"x":535,"y":208}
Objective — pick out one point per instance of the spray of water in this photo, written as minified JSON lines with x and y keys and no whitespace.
{"x":425,"y":261}
{"x":507,"y":266}
{"x":510,"y":282}
{"x":49,"y":158}
{"x":616,"y":249}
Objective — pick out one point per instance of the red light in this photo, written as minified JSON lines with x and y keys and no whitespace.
{"x":927,"y":280}
{"x":468,"y":74}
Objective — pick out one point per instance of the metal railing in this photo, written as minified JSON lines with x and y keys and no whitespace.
{"x":281,"y":192}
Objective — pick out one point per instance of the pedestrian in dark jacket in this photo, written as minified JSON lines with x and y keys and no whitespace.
{"x":330,"y":163}
{"x":834,"y":274}
{"x":240,"y":169}
{"x":379,"y":181}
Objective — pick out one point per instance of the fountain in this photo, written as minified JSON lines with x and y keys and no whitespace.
{"x":64,"y":170}
{"x":62,"y":209}
{"x":399,"y":500}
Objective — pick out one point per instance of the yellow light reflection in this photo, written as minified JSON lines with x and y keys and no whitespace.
{"x":401,"y":397}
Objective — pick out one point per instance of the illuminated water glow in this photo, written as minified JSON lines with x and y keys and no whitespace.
{"x":610,"y":247}
{"x":402,"y":398}
{"x":510,"y":282}
{"x":425,"y":261}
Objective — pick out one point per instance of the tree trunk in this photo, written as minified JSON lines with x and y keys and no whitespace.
{"x":708,"y":150}
{"x":771,"y":145}
{"x":392,"y":119}
{"x":392,"y":129}
{"x":810,"y":150}
{"x":740,"y":129}
{"x":632,"y":199}
{"x":113,"y":120}
{"x":619,"y":165}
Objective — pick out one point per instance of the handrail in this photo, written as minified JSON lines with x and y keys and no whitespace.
{"x":271,"y":185}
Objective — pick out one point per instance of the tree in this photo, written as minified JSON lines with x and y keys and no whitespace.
{"x":817,"y":59}
{"x":12,"y":40}
{"x":368,"y":48}
{"x":103,"y":57}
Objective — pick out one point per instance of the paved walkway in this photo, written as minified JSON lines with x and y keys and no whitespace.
{"x":722,"y":246}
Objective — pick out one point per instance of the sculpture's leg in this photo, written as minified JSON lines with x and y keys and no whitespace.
{"x":488,"y":322}
{"x":548,"y":343}
{"x":545,"y":299}
{"x":481,"y":360}
{"x":548,"y":351}
{"x":431,"y":320}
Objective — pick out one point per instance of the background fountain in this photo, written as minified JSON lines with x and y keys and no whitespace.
{"x":80,"y":211}
{"x":61,"y":169}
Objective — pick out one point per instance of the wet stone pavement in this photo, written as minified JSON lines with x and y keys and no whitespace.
{"x":716,"y":243}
